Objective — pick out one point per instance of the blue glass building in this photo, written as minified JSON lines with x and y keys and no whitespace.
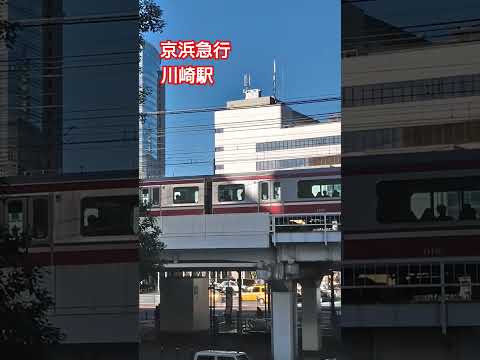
{"x":151,"y":127}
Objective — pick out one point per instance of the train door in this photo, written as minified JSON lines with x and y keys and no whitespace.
{"x":207,"y":196}
{"x":264,"y":195}
{"x":155,"y":196}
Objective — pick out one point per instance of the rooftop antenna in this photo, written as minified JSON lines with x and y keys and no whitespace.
{"x":274,"y":79}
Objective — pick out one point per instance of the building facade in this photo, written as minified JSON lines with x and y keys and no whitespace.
{"x":262,"y":134}
{"x":31,"y":92}
{"x":67,"y":105}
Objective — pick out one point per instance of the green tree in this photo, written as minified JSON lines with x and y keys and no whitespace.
{"x":151,"y":20}
{"x":24,"y":299}
{"x":150,"y":244}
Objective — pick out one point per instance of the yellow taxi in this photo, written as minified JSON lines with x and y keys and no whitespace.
{"x":254,"y":293}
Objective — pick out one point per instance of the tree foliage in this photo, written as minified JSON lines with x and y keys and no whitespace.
{"x":150,"y":244}
{"x":25,"y":300}
{"x":150,"y":18}
{"x":8,"y":32}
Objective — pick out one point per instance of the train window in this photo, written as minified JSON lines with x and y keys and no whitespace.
{"x":40,"y":218}
{"x":185,"y":195}
{"x":155,"y":196}
{"x":277,"y":191}
{"x":231,"y":192}
{"x":435,"y":206}
{"x":144,"y":196}
{"x":264,"y":191}
{"x":115,"y":215}
{"x":446,"y":199}
{"x":16,"y":216}
{"x":30,"y":215}
{"x":318,"y":189}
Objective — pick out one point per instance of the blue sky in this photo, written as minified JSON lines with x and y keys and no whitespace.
{"x":303,"y":36}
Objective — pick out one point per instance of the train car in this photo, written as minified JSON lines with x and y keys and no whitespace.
{"x":280,"y":192}
{"x":175,"y":196}
{"x":298,"y":200}
{"x":81,"y":229}
{"x":412,"y":206}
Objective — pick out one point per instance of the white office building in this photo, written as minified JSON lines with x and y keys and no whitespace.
{"x":263,"y":134}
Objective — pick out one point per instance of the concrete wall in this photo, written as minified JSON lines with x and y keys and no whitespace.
{"x":408,"y":343}
{"x":421,"y":315}
{"x":215,"y":231}
{"x":95,"y":303}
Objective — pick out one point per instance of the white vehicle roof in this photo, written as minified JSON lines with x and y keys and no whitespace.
{"x":219,"y":352}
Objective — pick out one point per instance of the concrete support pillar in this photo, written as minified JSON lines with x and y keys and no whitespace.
{"x":284,"y":320}
{"x":311,"y":302}
{"x":184,"y":305}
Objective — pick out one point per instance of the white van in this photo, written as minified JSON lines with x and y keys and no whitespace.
{"x":220,"y":355}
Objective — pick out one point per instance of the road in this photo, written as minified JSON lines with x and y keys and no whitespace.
{"x":181,"y":347}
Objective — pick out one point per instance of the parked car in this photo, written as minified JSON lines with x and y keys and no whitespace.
{"x":229,"y":283}
{"x":220,"y":355}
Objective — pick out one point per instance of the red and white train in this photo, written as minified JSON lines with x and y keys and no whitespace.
{"x":302,"y":191}
{"x":413,"y":205}
{"x":82,"y":229}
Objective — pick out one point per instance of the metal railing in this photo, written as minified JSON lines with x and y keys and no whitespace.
{"x":306,"y":222}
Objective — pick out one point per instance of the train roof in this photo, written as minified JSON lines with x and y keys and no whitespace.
{"x":451,"y":159}
{"x":331,"y":170}
{"x":71,"y":181}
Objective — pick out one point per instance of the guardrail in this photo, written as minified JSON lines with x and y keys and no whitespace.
{"x":306,"y":222}
{"x":325,"y":223}
{"x":416,"y":283}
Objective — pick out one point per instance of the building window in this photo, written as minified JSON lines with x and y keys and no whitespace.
{"x":218,"y":130}
{"x":412,"y":136}
{"x":219,"y":167}
{"x":417,"y":90}
{"x":231,"y":192}
{"x":185,"y":195}
{"x":308,"y":189}
{"x":264,"y":191}
{"x":219,"y":148}
{"x":112,"y":215}
{"x":297,"y":144}
{"x":277,"y":191}
{"x":296,"y":163}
